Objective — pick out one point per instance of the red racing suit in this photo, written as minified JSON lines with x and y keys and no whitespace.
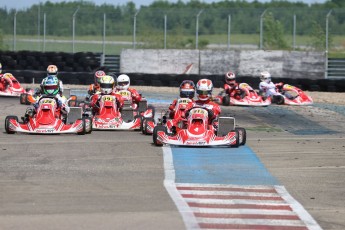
{"x":172,"y":107}
{"x":136,"y":97}
{"x":4,"y":82}
{"x":233,"y":91}
{"x":211,"y":106}
{"x":95,"y":101}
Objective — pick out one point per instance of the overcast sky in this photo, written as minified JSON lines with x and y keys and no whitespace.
{"x":21,"y":4}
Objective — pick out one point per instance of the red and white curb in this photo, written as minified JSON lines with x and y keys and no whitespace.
{"x":219,"y":206}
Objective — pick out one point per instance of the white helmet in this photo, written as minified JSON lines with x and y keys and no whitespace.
{"x":52,"y":70}
{"x":204,"y":89}
{"x":230,"y":78}
{"x":123,"y":82}
{"x":265,"y":76}
{"x":107,"y":84}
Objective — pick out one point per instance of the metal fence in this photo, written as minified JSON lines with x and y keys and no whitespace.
{"x":108,"y":33}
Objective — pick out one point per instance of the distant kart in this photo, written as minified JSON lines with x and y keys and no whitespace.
{"x":14,"y":89}
{"x":109,"y":118}
{"x":48,"y":120}
{"x":148,"y":124}
{"x":250,"y":98}
{"x":199,"y":133}
{"x":290,"y":95}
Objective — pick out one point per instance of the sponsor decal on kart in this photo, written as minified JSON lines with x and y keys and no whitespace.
{"x":196,"y":142}
{"x":50,"y":130}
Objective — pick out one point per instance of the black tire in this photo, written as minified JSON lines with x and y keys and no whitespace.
{"x":142,"y":125}
{"x":154,"y":135}
{"x":226,"y":100}
{"x":242,"y":135}
{"x":153,"y":110}
{"x":83,"y":132}
{"x":145,"y":125}
{"x":278,"y":99}
{"x":90,"y":119}
{"x":237,"y":139}
{"x":7,"y":124}
{"x":23,"y":98}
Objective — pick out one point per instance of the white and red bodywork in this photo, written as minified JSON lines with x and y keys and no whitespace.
{"x":197,"y":133}
{"x":15,"y":89}
{"x":47,"y":121}
{"x":299,"y":96}
{"x":109,"y":118}
{"x":251,"y":98}
{"x":127,"y":98}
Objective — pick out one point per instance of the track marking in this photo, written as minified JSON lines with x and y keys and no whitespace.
{"x":223,"y":206}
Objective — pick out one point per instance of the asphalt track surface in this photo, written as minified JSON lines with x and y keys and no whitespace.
{"x":114,"y":180}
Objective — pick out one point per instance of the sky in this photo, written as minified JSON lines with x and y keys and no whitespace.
{"x":22,"y":4}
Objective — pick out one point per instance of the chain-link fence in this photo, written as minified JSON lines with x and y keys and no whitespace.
{"x":110,"y":31}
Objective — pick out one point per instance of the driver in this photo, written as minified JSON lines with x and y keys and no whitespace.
{"x":106,"y":84}
{"x":123,"y":83}
{"x":231,"y":87}
{"x":52,"y":70}
{"x":204,"y":89}
{"x":187,"y":90}
{"x":94,"y":88}
{"x":266,"y":87}
{"x":5,"y":81}
{"x":51,"y":88}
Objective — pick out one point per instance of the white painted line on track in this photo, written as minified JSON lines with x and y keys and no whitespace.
{"x":169,"y":183}
{"x":222,"y":206}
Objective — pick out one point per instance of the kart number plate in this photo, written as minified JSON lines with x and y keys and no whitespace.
{"x":198,"y":111}
{"x":107,"y":98}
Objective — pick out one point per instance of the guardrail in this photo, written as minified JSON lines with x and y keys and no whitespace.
{"x":336,"y":68}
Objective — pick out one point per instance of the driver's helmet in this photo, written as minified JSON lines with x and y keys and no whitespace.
{"x":204,"y":89}
{"x":265,"y":77}
{"x":52,"y":70}
{"x":187,"y":89}
{"x":230,"y":78}
{"x":107,"y":84}
{"x":0,"y":68}
{"x":122,"y":82}
{"x":50,"y":86}
{"x":98,"y":75}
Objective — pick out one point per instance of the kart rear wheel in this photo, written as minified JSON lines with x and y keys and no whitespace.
{"x":153,"y":110}
{"x":83,"y":131}
{"x":7,"y":124}
{"x":242,"y":135}
{"x":154,"y":135}
{"x":226,"y":100}
{"x":145,"y":125}
{"x":142,"y":122}
{"x":23,"y":98}
{"x":237,"y":136}
{"x":89,"y":129}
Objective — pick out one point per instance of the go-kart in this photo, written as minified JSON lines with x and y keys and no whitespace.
{"x":249,"y":97}
{"x":14,"y":89}
{"x":48,"y":120}
{"x":198,"y":132}
{"x":290,"y":95}
{"x":109,"y":118}
{"x":167,"y":119}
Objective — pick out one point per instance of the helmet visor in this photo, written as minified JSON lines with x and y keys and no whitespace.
{"x":123,"y":83}
{"x":203,"y":92}
{"x":107,"y":85}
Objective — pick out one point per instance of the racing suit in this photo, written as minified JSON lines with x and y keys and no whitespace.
{"x":213,"y":108}
{"x":136,"y":97}
{"x":234,"y":91}
{"x":268,"y":89}
{"x":172,"y":107}
{"x":5,"y":82}
{"x":97,"y":96}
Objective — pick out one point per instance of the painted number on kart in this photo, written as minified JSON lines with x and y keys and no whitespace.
{"x":183,"y":101}
{"x":124,"y":93}
{"x":107,"y":98}
{"x":48,"y":101}
{"x":198,"y":111}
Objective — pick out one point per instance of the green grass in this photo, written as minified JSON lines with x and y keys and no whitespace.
{"x":65,"y":45}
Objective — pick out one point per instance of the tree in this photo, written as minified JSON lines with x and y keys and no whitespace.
{"x":274,"y":34}
{"x":318,"y":37}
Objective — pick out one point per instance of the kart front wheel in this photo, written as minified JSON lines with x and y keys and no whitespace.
{"x":7,"y":124}
{"x":88,"y":128}
{"x":157,"y":129}
{"x":242,"y":133}
{"x":83,"y":131}
{"x":226,"y":100}
{"x":237,"y":136}
{"x":145,"y":125}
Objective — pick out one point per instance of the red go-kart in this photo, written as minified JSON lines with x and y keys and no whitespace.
{"x":14,"y":89}
{"x":290,"y":95}
{"x":198,"y":132}
{"x":249,"y":98}
{"x":47,"y":120}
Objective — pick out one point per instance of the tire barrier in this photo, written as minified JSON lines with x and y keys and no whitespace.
{"x":78,"y":68}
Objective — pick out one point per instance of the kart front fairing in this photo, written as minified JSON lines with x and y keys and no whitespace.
{"x":295,"y":96}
